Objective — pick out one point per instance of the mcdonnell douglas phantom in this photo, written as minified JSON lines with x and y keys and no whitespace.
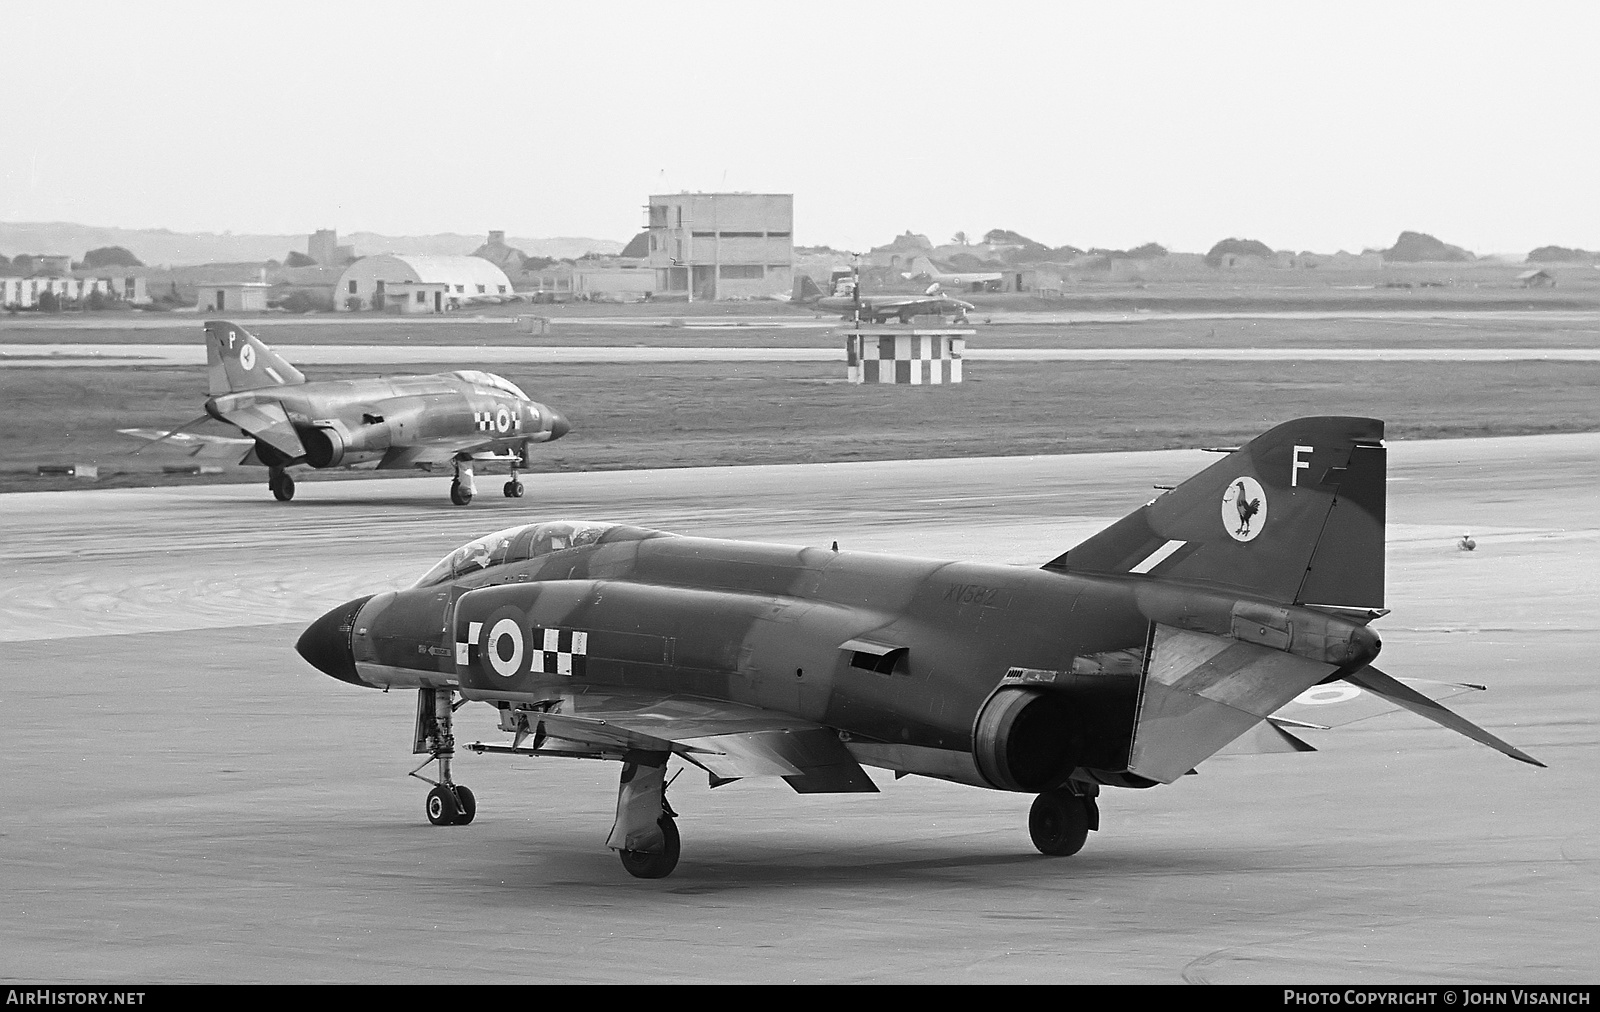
{"x":1215,"y":618}
{"x":464,"y":418}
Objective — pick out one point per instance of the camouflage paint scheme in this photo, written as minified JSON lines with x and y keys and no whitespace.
{"x":1174,"y":634}
{"x":386,"y":422}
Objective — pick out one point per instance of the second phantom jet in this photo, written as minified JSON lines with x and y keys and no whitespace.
{"x":462,"y":418}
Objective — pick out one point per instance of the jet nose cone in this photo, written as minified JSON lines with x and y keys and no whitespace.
{"x":326,"y":642}
{"x":559,"y":426}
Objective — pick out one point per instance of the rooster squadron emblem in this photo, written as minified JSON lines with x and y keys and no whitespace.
{"x":1244,"y":509}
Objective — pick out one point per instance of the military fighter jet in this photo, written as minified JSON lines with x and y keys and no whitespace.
{"x":852,"y":305}
{"x":464,"y":418}
{"x":1178,"y":633}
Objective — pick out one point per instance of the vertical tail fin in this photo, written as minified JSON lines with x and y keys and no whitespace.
{"x":805,"y":289}
{"x":1295,"y":515}
{"x":237,"y":360}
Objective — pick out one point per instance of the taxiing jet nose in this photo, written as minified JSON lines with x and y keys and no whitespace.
{"x":326,"y":642}
{"x":559,"y":426}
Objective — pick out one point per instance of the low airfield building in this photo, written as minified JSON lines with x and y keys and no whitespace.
{"x":238,"y":297}
{"x":420,"y":284}
{"x":113,"y":284}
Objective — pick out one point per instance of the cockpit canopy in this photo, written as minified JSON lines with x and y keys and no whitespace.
{"x":488,"y":379}
{"x":529,"y":541}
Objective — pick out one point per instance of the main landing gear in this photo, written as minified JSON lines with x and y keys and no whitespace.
{"x":645,"y":836}
{"x":513,"y":488}
{"x":1060,"y":820}
{"x":462,"y":488}
{"x":449,"y":804}
{"x":281,"y":483}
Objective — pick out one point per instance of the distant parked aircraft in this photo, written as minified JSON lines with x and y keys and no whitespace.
{"x":922,"y":269}
{"x":879,"y":308}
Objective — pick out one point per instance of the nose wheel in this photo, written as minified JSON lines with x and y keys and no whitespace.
{"x":452,"y":805}
{"x":513,"y":489}
{"x":449,"y":803}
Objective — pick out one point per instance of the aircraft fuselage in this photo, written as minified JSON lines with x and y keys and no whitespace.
{"x":341,"y":422}
{"x":898,"y":654}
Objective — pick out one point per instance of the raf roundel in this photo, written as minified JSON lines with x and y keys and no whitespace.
{"x":504,"y":647}
{"x":502,"y":419}
{"x":1244,"y":509}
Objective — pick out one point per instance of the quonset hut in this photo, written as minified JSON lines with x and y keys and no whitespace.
{"x":420,"y":284}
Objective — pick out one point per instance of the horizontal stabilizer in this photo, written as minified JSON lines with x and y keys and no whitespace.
{"x":191,"y":444}
{"x":1202,"y":692}
{"x":1337,"y":703}
{"x":1265,"y":738}
{"x":268,"y":422}
{"x":1403,"y":695}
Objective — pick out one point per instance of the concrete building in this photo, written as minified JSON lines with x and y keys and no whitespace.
{"x":420,"y":284}
{"x":113,"y":284}
{"x":323,"y":247}
{"x":602,"y":279}
{"x":237,"y":297}
{"x":721,"y":245}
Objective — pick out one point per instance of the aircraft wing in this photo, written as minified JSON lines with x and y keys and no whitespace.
{"x":193,"y":444}
{"x":728,"y":740}
{"x":427,"y":455}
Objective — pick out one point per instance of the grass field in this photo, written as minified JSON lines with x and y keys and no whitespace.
{"x":692,"y":414}
{"x":684,"y":415}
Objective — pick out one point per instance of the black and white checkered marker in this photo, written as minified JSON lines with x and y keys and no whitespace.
{"x":562,"y":651}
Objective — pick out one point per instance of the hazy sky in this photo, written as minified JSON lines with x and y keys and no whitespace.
{"x":1307,"y":125}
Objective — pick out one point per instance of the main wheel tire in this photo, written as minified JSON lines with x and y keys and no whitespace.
{"x":441,"y":807}
{"x":659,"y":865}
{"x":469,"y":805}
{"x":283,"y":488}
{"x":1058,"y":823}
{"x":459,"y":495}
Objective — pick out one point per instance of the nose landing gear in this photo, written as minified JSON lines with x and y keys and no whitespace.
{"x":513,"y":488}
{"x":449,"y":804}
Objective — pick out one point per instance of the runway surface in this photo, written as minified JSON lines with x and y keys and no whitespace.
{"x":79,"y":355}
{"x":798,"y":318}
{"x":188,"y":801}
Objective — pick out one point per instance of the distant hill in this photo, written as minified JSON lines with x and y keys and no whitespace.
{"x":1237,"y":247}
{"x":162,"y":246}
{"x":1415,"y":247}
{"x":1562,"y":254}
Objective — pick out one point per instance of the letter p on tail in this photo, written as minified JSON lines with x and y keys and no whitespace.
{"x":237,"y":360}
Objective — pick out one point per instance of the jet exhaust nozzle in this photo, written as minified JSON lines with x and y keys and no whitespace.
{"x":326,"y":642}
